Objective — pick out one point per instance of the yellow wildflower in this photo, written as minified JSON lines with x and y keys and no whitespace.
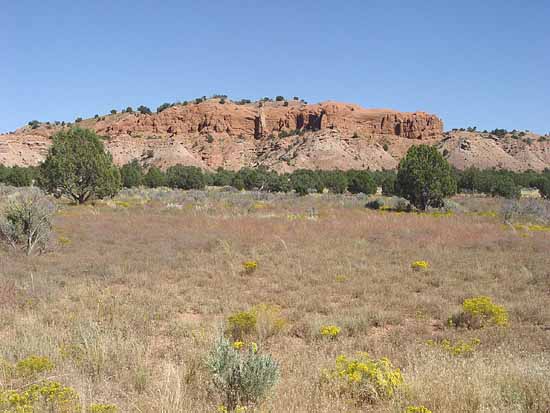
{"x":330,"y":331}
{"x":250,"y":266}
{"x":237,"y":345}
{"x":420,"y":265}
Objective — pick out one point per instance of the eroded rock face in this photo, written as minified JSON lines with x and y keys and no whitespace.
{"x":272,"y":118}
{"x":485,"y":151}
{"x":211,"y":134}
{"x":327,"y":135}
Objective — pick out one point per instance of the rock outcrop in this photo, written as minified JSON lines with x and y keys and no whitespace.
{"x":260,"y":121}
{"x":484,"y":151}
{"x":279,"y":135}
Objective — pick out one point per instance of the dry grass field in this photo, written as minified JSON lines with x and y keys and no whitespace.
{"x":135,"y":291}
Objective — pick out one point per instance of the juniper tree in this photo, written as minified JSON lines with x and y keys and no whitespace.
{"x":78,"y":167}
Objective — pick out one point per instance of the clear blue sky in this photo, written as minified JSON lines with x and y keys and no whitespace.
{"x":484,"y":63}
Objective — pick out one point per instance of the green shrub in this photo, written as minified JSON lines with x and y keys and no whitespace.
{"x":162,"y":107}
{"x":129,"y":110}
{"x":78,"y":167}
{"x":479,"y":312}
{"x":495,"y":182}
{"x":131,"y":174}
{"x":364,"y":380}
{"x":144,"y":110}
{"x":113,"y":111}
{"x":257,"y":179}
{"x":335,"y":181}
{"x":273,"y":182}
{"x":526,"y":179}
{"x":303,"y":181}
{"x":246,"y":178}
{"x":78,"y":120}
{"x":34,"y":124}
{"x":544,"y":187}
{"x":360,"y":182}
{"x":4,"y":173}
{"x":388,"y":184}
{"x":209,"y":138}
{"x":242,"y":378}
{"x":424,"y":177}
{"x":222,"y":177}
{"x":185,"y":177}
{"x":20,"y":176}
{"x":500,"y":133}
{"x":506,"y":188}
{"x":154,"y":178}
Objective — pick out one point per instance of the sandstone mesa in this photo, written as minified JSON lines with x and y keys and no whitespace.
{"x":282,"y":136}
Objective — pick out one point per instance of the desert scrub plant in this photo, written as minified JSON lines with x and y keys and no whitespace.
{"x":329,"y":331}
{"x":459,"y":348}
{"x":417,"y":409}
{"x":364,"y":380}
{"x":241,"y":325}
{"x":250,"y":267}
{"x":269,"y":320}
{"x":46,"y":396}
{"x":102,"y":408}
{"x":241,"y":345}
{"x":420,"y":265}
{"x":262,"y":320}
{"x":26,"y":222}
{"x":33,"y":365}
{"x":242,"y":378}
{"x":478,"y":312}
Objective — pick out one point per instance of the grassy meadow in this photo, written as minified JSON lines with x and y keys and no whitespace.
{"x":133,"y":292}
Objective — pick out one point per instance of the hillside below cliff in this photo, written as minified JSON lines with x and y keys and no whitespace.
{"x":283,"y":136}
